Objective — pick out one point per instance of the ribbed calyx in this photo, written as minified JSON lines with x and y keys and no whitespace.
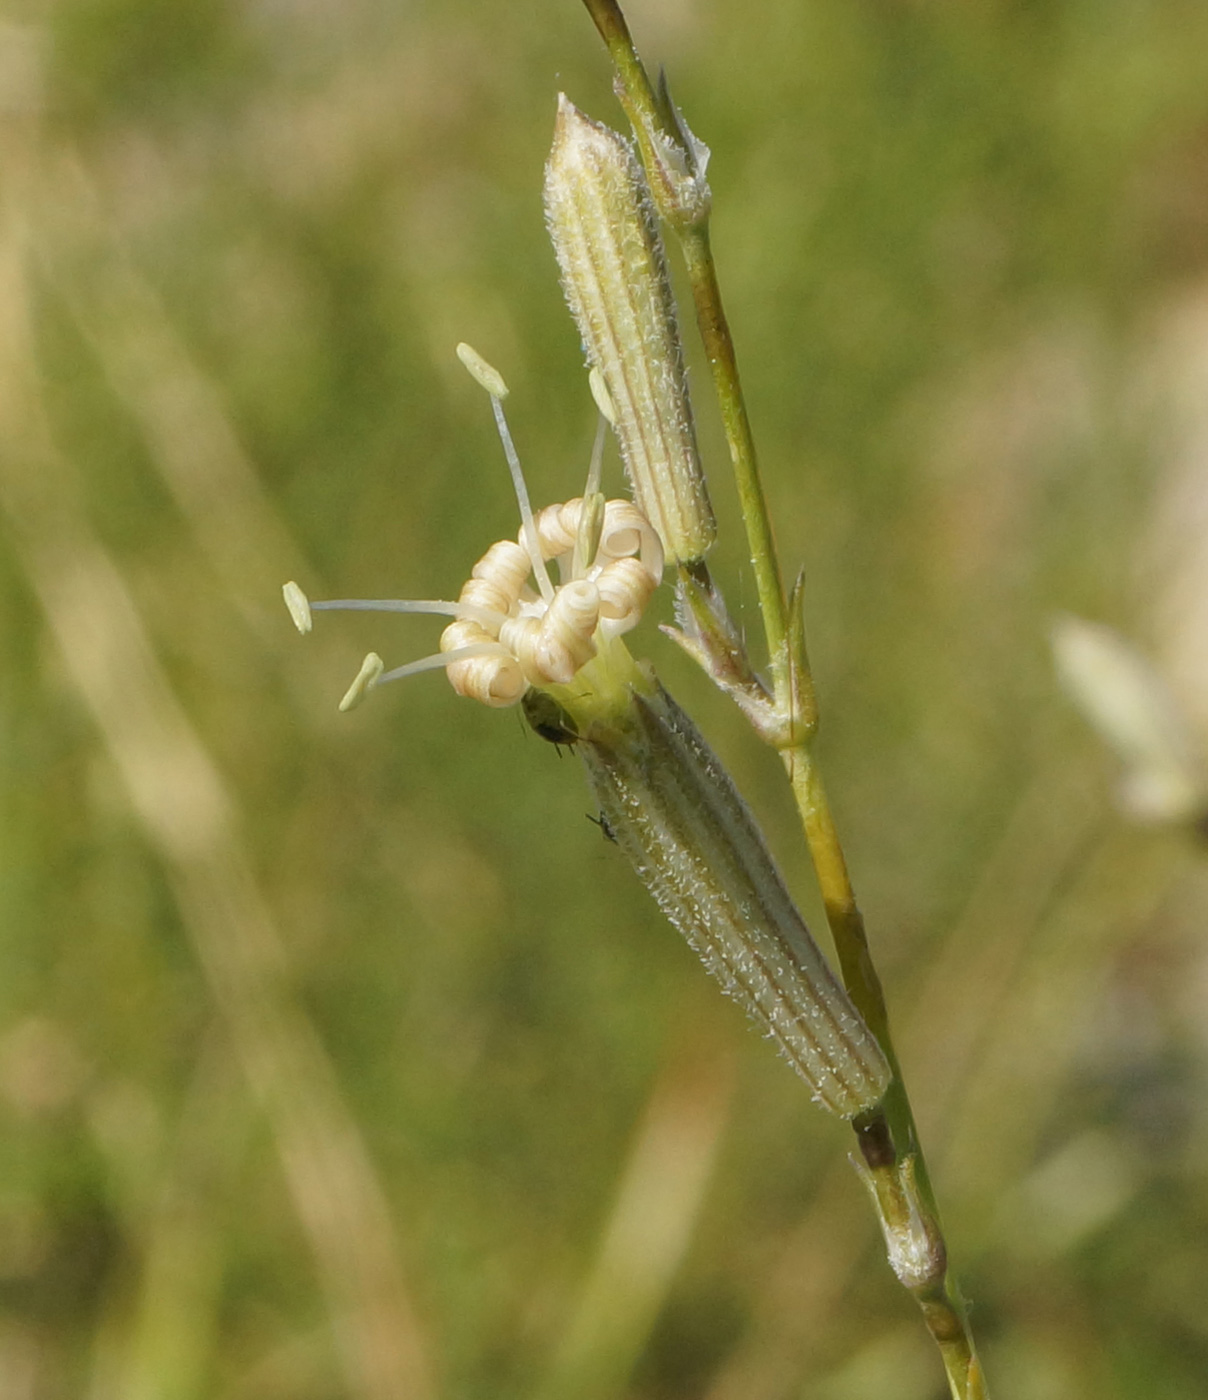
{"x":676,"y":814}
{"x":614,"y":273}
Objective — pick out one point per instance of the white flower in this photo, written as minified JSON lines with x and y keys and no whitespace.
{"x":513,"y":626}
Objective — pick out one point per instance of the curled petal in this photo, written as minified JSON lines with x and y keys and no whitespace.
{"x":625,"y":587}
{"x":522,"y":636}
{"x":465,"y":632}
{"x":495,"y":679}
{"x":504,"y":569}
{"x":566,"y":631}
{"x":626,"y":532}
{"x":557,"y":527}
{"x":551,"y":648}
{"x":487,"y":594}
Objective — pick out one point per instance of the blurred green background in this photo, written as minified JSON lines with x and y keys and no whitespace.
{"x":339,"y":1055}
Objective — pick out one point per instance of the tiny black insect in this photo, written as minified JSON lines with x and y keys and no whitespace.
{"x":605,"y":826}
{"x":548,"y":719}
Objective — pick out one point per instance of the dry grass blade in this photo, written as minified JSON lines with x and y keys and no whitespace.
{"x":179,"y":410}
{"x":188,"y":818}
{"x":659,"y":1198}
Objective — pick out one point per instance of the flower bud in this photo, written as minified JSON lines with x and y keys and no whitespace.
{"x":676,"y":814}
{"x":614,"y":273}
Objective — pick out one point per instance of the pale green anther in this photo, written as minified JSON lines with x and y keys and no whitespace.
{"x":371,"y":668}
{"x":484,"y":374}
{"x":587,"y":541}
{"x":299,"y":606}
{"x":614,"y":273}
{"x":599,"y":392}
{"x":676,"y":814}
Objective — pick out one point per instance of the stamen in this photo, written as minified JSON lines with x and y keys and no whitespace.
{"x":485,"y":374}
{"x":528,"y":529}
{"x":599,"y":392}
{"x":587,"y":537}
{"x":298,"y":605}
{"x":366,"y":679}
{"x":492,"y":381}
{"x":597,"y":458}
{"x":442,"y":658}
{"x":489,"y":617}
{"x":591,"y":518}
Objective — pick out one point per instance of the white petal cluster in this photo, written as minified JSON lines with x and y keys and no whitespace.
{"x":529,"y":638}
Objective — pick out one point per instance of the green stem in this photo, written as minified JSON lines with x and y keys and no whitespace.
{"x":646,"y":113}
{"x":610,"y":21}
{"x":941,"y":1302}
{"x":719,"y":347}
{"x":889,"y":1130}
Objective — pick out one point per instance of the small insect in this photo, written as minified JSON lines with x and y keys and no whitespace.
{"x":548,"y":719}
{"x":605,"y":827}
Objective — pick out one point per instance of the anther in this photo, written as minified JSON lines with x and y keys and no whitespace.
{"x":599,"y":392}
{"x":299,"y":606}
{"x":485,"y":374}
{"x":366,"y":678}
{"x":492,"y":381}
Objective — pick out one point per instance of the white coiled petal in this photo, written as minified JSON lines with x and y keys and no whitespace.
{"x":525,"y":637}
{"x":625,"y":587}
{"x":494,"y":679}
{"x":557,"y":525}
{"x":522,"y":636}
{"x":627,"y":532}
{"x":486,"y":593}
{"x":504,"y":567}
{"x":497,"y":681}
{"x":566,"y":631}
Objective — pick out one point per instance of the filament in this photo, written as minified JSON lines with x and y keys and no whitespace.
{"x":487,"y":616}
{"x":443,"y":658}
{"x":528,"y":529}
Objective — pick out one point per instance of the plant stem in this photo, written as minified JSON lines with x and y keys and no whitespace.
{"x":614,"y":30}
{"x":719,"y":347}
{"x":647,"y":113}
{"x":940,"y":1299}
{"x":896,"y":1169}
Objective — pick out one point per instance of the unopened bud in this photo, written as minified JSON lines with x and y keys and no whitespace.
{"x":614,"y":273}
{"x":677,"y":815}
